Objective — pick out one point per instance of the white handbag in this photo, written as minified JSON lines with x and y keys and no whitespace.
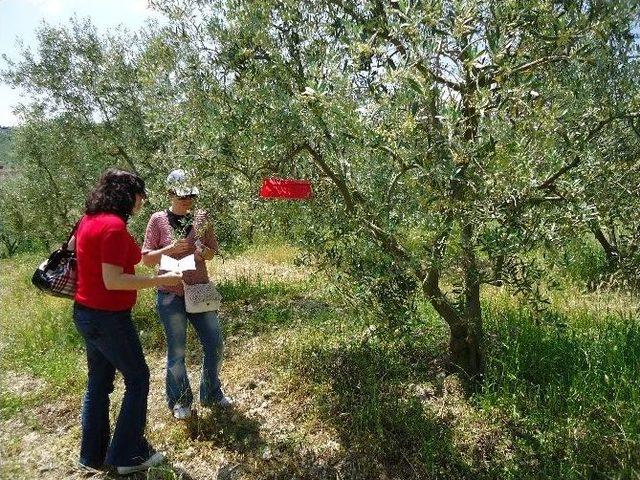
{"x":201,"y":297}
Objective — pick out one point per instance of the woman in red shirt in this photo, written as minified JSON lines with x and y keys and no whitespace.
{"x":105,"y":293}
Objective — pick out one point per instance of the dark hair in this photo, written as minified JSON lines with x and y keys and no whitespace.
{"x":115,"y":193}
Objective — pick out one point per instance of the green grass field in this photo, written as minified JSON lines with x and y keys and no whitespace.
{"x":323,"y":392}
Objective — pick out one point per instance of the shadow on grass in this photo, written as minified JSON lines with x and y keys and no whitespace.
{"x":226,"y":427}
{"x":289,"y":463}
{"x":379,"y":419}
{"x":163,"y":472}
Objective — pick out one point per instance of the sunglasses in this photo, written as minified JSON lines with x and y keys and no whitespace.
{"x":187,"y":197}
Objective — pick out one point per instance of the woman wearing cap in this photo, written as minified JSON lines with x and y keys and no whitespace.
{"x":105,"y":293}
{"x":178,"y":232}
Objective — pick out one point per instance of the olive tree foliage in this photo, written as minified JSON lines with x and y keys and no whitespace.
{"x":94,"y":101}
{"x":83,"y":115}
{"x":614,"y":195}
{"x":39,"y":197}
{"x":444,"y":137}
{"x":610,"y":195}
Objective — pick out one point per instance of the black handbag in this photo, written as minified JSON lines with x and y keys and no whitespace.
{"x":57,"y":274}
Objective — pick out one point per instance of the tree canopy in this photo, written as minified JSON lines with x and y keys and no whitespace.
{"x":448,"y":140}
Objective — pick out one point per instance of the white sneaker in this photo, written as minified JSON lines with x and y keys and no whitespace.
{"x":181,"y":412}
{"x":155,"y":459}
{"x":225,"y":402}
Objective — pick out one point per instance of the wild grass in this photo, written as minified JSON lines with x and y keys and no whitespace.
{"x":560,"y":399}
{"x":567,"y":384}
{"x":338,"y":395}
{"x":37,"y":333}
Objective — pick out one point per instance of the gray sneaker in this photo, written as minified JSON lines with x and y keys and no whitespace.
{"x":155,"y":459}
{"x":89,"y":469}
{"x":181,"y":412}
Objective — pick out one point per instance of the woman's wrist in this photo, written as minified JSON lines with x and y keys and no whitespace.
{"x":167,"y":250}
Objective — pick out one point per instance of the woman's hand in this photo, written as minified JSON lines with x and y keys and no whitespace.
{"x":203,"y":252}
{"x":170,"y":278}
{"x":179,"y":247}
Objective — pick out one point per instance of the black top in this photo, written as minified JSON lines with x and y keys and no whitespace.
{"x":182,"y":224}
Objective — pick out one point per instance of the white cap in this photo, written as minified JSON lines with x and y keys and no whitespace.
{"x":178,"y":183}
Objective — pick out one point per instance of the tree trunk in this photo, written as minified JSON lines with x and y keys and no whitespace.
{"x":465,"y":340}
{"x":468,"y":347}
{"x":610,"y":248}
{"x":465,"y":324}
{"x":466,"y":354}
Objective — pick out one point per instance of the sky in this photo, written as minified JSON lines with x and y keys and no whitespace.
{"x":21,"y":18}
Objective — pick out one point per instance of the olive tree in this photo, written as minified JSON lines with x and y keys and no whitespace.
{"x":442,"y":135}
{"x":81,"y":113}
{"x":447,"y":139}
{"x":97,"y":100}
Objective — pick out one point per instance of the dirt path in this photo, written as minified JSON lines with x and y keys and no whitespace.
{"x":259,"y":437}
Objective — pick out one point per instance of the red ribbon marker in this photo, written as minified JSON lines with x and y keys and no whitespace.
{"x":288,"y":188}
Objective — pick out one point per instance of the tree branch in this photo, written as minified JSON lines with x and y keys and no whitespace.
{"x":431,"y":282}
{"x":339,"y":182}
{"x":539,"y":61}
{"x":395,"y":179}
{"x":578,"y":159}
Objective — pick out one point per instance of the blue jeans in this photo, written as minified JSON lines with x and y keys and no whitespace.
{"x":112,"y":344}
{"x":173,"y":316}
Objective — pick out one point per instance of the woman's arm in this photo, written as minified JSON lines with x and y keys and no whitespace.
{"x":174,"y":249}
{"x":114,"y":278}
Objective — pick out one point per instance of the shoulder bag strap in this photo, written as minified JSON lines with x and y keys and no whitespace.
{"x":65,"y":245}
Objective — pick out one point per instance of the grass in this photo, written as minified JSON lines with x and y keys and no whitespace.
{"x":569,"y":388}
{"x":38,"y":335}
{"x":324,"y":393}
{"x":10,"y":404}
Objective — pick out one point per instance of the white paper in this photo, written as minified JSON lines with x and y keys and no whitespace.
{"x":173,"y":265}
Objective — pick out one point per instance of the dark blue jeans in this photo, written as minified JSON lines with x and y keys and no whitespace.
{"x":113,"y":344}
{"x":173,"y":316}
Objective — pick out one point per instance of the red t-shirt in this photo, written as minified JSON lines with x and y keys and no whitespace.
{"x":103,"y":238}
